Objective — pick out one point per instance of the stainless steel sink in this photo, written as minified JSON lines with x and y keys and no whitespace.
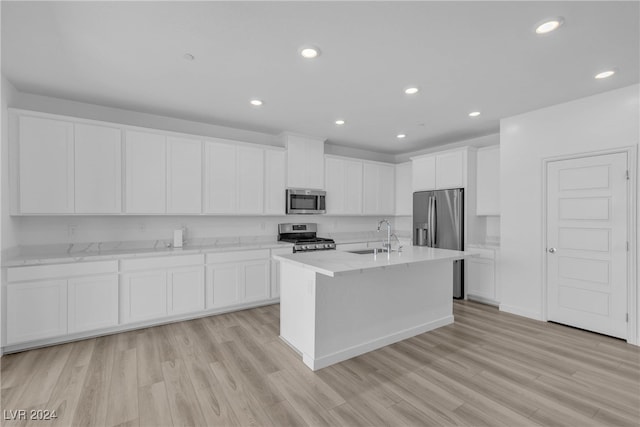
{"x":366,"y":251}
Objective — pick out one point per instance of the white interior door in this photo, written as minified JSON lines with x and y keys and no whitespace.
{"x":587,"y":243}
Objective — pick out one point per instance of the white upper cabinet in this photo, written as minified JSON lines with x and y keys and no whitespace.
{"x":46,"y":166}
{"x":450,"y":170}
{"x":234,"y":178}
{"x":488,"y":181}
{"x":98,"y":171}
{"x":274,"y":181}
{"x":343,"y":183}
{"x":250,"y":172}
{"x":305,"y":162}
{"x":221,"y":177}
{"x":423,"y":171}
{"x":379,"y":187}
{"x":146,"y":164}
{"x":184,"y":176}
{"x":440,"y":171}
{"x":404,"y":193}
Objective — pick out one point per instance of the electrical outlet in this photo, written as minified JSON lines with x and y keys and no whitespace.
{"x":71,"y":230}
{"x":262,"y":226}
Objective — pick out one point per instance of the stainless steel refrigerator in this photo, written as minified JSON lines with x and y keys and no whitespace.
{"x":438,"y":221}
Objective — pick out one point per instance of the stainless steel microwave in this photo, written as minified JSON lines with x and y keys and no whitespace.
{"x":300,"y":201}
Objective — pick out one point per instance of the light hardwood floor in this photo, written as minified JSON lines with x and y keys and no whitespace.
{"x":488,"y":368}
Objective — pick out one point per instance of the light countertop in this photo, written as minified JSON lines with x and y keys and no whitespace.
{"x":107,"y":251}
{"x":335,"y":263}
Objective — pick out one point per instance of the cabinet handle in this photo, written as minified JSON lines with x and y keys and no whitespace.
{"x":552,"y":250}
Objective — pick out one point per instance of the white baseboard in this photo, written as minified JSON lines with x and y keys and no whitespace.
{"x":519,"y":311}
{"x":348,"y":353}
{"x":13,"y":348}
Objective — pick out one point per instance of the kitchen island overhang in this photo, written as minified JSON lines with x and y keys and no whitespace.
{"x":337,"y":305}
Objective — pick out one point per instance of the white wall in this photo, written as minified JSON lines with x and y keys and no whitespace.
{"x":55,"y":229}
{"x":605,"y":121}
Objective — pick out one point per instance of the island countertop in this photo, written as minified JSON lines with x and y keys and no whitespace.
{"x":336,"y":263}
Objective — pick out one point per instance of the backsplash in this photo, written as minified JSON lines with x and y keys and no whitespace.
{"x":86,"y":229}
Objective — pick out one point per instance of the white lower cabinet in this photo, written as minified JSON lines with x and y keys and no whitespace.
{"x":36,"y":310}
{"x":92,"y":303}
{"x":237,"y":277}
{"x":480,"y":277}
{"x":185,"y":288}
{"x":55,"y":300}
{"x":275,"y":270}
{"x":154,"y":288}
{"x":144,"y":296}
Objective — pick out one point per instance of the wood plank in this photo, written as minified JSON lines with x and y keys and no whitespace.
{"x":488,"y":368}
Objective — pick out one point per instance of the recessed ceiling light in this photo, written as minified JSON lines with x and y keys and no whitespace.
{"x":605,"y":74}
{"x":411,"y":90}
{"x":255,"y":102}
{"x":339,"y":122}
{"x":474,"y":114}
{"x":401,"y":136}
{"x":310,"y":52}
{"x":549,"y":25}
{"x":188,"y":57}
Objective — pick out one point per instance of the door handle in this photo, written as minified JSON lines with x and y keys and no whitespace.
{"x":552,"y":250}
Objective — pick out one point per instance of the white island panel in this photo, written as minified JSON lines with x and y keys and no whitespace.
{"x":333,"y":310}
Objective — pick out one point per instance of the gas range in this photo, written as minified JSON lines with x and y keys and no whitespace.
{"x":303,"y":237}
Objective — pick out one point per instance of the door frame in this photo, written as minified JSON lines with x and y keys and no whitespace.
{"x":632,"y":193}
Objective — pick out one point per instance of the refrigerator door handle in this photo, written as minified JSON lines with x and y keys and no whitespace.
{"x":434,"y":223}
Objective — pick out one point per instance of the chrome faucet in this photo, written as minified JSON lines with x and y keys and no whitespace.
{"x":386,"y":246}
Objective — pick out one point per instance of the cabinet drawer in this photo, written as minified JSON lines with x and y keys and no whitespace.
{"x":161,"y":262}
{"x":40,"y":272}
{"x":221,"y":257}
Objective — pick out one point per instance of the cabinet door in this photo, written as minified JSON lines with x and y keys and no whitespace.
{"x":423,"y":172}
{"x":145,"y":172}
{"x":450,"y":170}
{"x":488,"y":181}
{"x":386,"y":189}
{"x":379,"y":185}
{"x":404,"y":193}
{"x":250,"y":179}
{"x":46,"y":166}
{"x":92,"y":303}
{"x":275,"y":271}
{"x":370,"y":187}
{"x":223,"y":285}
{"x":274,"y":183}
{"x":36,"y":310}
{"x":186,"y":290}
{"x":305,"y":162}
{"x":97,"y":169}
{"x":144,"y":296}
{"x":221,"y":177}
{"x":184,"y":176}
{"x":255,"y":280}
{"x":352,"y":185}
{"x":480,"y":278}
{"x":335,"y":185}
{"x":314,"y":166}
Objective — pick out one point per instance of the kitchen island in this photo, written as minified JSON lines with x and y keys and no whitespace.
{"x":336,"y":305}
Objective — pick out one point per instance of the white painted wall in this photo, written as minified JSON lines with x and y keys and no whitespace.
{"x":605,"y":121}
{"x":7,"y":94}
{"x":48,"y":230}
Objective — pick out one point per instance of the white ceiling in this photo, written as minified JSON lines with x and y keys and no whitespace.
{"x":464,"y":56}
